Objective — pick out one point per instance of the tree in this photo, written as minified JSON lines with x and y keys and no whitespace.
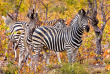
{"x":13,"y":6}
{"x":98,"y":7}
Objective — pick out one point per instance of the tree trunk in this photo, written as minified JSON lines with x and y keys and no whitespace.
{"x":98,"y":43}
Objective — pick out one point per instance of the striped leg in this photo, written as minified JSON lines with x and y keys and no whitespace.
{"x":20,"y":57}
{"x":15,"y":50}
{"x":70,"y":55}
{"x":58,"y":56}
{"x":35,"y":57}
{"x":47,"y":56}
{"x":74,"y":55}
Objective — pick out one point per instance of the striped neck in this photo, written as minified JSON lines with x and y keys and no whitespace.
{"x":74,"y":29}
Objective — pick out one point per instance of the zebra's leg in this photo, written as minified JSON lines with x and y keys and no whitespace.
{"x":69,"y":54}
{"x":47,"y":56}
{"x":74,"y":55}
{"x":20,"y":57}
{"x":15,"y":54}
{"x":35,"y":57}
{"x":15,"y":50}
{"x":58,"y":56}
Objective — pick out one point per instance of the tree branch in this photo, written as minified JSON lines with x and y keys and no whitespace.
{"x":90,"y":4}
{"x":46,"y":7}
{"x":107,"y":13}
{"x":17,"y":10}
{"x":95,"y":2}
{"x":108,"y":19}
{"x":103,"y":18}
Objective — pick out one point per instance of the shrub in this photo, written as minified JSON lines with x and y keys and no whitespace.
{"x":76,"y":68}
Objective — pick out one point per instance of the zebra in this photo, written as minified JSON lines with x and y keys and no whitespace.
{"x":67,"y":39}
{"x":17,"y":30}
{"x":56,"y":23}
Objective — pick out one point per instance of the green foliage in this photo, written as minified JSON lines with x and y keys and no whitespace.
{"x":108,"y":72}
{"x":11,"y":70}
{"x":10,"y":64}
{"x":76,"y":68}
{"x":71,"y":2}
{"x":59,"y":9}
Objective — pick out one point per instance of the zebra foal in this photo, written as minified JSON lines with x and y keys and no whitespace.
{"x":61,"y":39}
{"x":17,"y":30}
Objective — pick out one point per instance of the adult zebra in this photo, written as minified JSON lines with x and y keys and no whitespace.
{"x":61,"y":39}
{"x":56,"y":23}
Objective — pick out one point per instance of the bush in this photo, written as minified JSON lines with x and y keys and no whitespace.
{"x":76,"y":68}
{"x":11,"y":69}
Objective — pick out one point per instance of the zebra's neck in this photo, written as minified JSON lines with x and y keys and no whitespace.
{"x":74,"y":31}
{"x":32,"y":24}
{"x":74,"y":24}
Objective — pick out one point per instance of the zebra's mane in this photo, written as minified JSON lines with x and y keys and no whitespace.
{"x":56,"y":21}
{"x":74,"y":20}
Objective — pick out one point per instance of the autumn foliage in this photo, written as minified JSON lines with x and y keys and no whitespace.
{"x":67,"y":9}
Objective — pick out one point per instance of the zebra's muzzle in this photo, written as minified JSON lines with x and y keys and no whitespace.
{"x":87,"y":28}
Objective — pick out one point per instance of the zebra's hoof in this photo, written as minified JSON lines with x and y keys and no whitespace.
{"x":5,"y":58}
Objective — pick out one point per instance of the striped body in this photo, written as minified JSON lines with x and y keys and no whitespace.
{"x":61,"y":39}
{"x":56,"y":23}
{"x":56,"y":39}
{"x":59,"y":23}
{"x":16,"y":30}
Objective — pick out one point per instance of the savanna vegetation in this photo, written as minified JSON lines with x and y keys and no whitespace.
{"x":93,"y":56}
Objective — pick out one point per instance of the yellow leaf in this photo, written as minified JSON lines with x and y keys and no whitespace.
{"x":14,"y":32}
{"x":19,"y":32}
{"x":47,"y":50}
{"x":8,"y":28}
{"x":16,"y":72}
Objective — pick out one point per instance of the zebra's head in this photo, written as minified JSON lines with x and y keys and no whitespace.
{"x":7,"y":20}
{"x":32,"y":15}
{"x":83,"y":20}
{"x":33,"y":18}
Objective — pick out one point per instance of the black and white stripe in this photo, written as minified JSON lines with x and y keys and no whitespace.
{"x":61,"y":39}
{"x":59,"y":23}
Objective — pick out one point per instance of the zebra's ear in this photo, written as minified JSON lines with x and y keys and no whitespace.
{"x":29,"y":14}
{"x":61,"y":20}
{"x":82,"y":12}
{"x":36,"y":13}
{"x":10,"y":16}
